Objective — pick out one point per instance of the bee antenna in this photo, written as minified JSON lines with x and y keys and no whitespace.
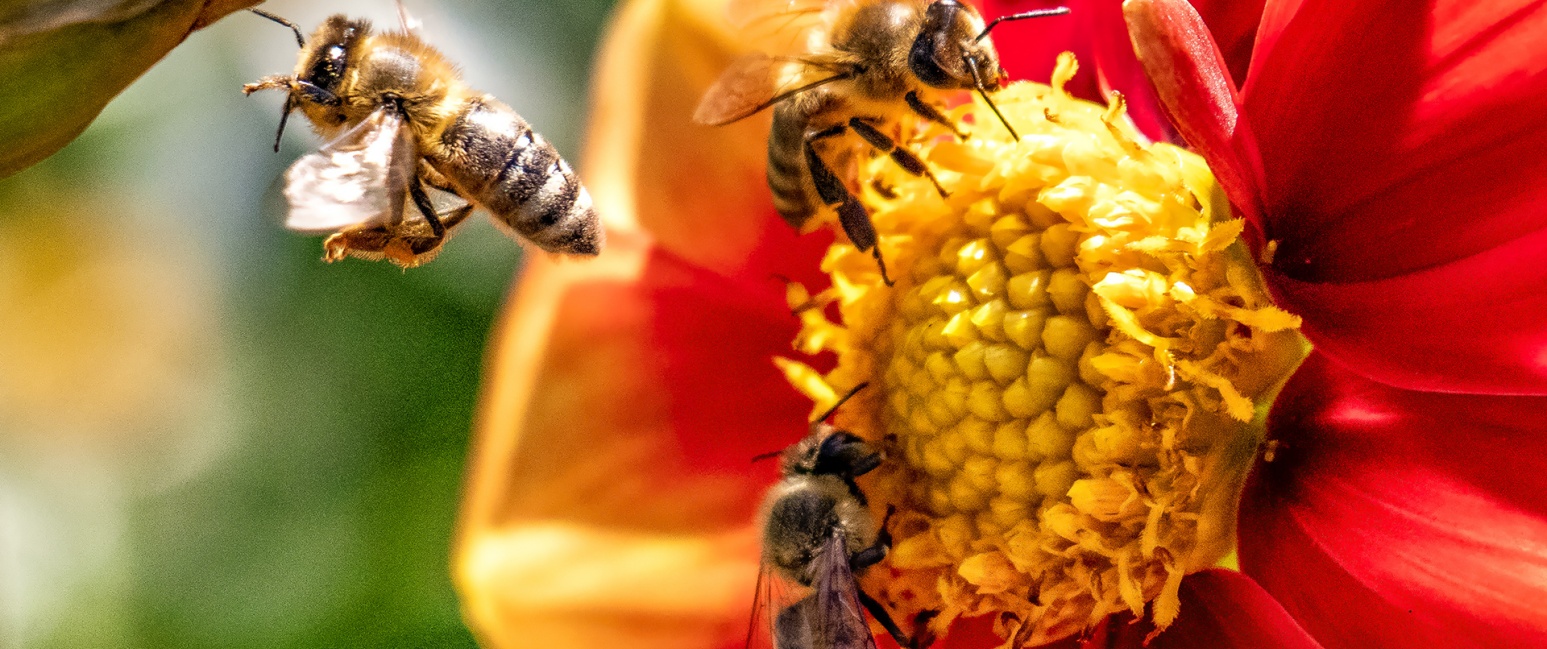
{"x":407,"y":20}
{"x":972,"y":65}
{"x":1038,"y":13}
{"x":842,"y":401}
{"x":284,"y":117}
{"x":765,"y":456}
{"x":299,"y":39}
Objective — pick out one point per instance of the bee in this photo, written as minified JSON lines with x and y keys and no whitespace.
{"x":860,"y":64}
{"x":818,"y":532}
{"x":398,"y":119}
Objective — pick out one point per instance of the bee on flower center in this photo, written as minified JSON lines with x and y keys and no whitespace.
{"x":858,"y":67}
{"x":398,"y":119}
{"x":819,"y":533}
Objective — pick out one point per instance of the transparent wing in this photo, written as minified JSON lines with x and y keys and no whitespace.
{"x":774,"y":596}
{"x":746,"y":12}
{"x":747,"y":86}
{"x":757,"y":80}
{"x":838,"y":613}
{"x":359,"y":178}
{"x":789,"y":27}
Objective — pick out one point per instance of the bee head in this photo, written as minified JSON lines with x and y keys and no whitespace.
{"x":948,"y":52}
{"x":828,"y":451}
{"x":326,"y":57}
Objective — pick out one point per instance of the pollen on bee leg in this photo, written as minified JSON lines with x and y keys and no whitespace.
{"x":335,"y":248}
{"x":1073,"y":354}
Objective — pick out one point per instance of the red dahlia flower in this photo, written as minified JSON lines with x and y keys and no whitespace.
{"x":611,"y":496}
{"x":1394,"y":514}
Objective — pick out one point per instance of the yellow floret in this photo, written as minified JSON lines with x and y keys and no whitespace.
{"x":1065,"y":376}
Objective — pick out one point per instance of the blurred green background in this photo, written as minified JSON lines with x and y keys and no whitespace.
{"x":209,"y":437}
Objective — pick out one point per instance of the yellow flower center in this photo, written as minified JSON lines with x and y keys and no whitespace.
{"x":1065,"y":375}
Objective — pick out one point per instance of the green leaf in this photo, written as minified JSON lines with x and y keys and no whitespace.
{"x":62,"y":61}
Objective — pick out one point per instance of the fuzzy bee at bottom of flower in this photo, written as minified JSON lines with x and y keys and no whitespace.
{"x":818,"y":534}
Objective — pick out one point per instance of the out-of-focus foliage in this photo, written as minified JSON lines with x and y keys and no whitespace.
{"x":209,"y":437}
{"x":61,"y":61}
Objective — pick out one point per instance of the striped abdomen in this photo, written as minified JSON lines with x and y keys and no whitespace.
{"x":789,"y":177}
{"x":497,"y":161}
{"x":787,"y":174}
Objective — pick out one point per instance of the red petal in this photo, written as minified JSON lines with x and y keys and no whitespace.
{"x":1028,"y":49}
{"x":624,"y":401}
{"x":665,"y":377}
{"x":1392,"y":518}
{"x":1395,"y":148}
{"x":1118,"y":69}
{"x":716,"y":339}
{"x":1234,"y":26}
{"x":1475,"y":325}
{"x":1095,"y":32}
{"x":1221,"y":609}
{"x":1190,"y":77}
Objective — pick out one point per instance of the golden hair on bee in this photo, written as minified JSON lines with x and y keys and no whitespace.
{"x":398,"y":119}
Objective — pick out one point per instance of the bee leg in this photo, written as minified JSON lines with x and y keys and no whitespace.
{"x":276,"y":82}
{"x":457,"y":215}
{"x":852,"y":214}
{"x":903,"y":157}
{"x":929,"y":112}
{"x":395,"y":242}
{"x":429,"y":176}
{"x":877,"y":551}
{"x":421,"y":199}
{"x":883,"y":189}
{"x":879,"y":612}
{"x":922,"y":636}
{"x":453,"y":217}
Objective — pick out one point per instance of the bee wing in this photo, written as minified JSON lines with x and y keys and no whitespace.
{"x":359,"y":178}
{"x":773,"y":595}
{"x":789,"y":27}
{"x":746,"y":87}
{"x":839,"y":614}
{"x":756,"y":81}
{"x":747,"y":12}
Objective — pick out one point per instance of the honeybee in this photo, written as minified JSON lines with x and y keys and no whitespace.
{"x":398,"y":118}
{"x":858,"y":65}
{"x":818,"y":533}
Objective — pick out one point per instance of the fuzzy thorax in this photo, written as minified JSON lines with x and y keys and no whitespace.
{"x":1068,"y":375}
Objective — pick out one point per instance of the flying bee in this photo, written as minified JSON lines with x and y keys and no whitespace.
{"x":860,"y":65}
{"x":398,"y":118}
{"x":819,"y":532}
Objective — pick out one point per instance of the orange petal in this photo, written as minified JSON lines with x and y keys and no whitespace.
{"x":611,"y":496}
{"x":589,"y":520}
{"x":698,"y":190}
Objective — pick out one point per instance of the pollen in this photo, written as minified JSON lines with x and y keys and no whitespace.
{"x":1068,"y":376}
